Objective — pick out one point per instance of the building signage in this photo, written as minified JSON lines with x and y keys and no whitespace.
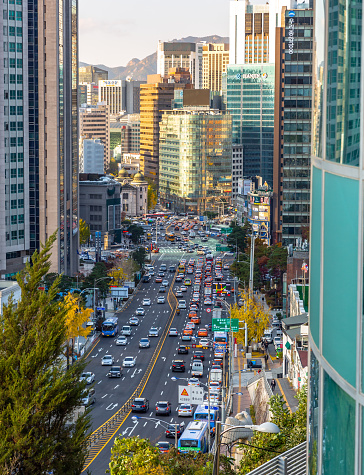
{"x":290,"y":34}
{"x":254,"y":76}
{"x":110,"y":83}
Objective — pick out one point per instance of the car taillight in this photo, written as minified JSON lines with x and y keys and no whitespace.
{"x":143,"y":405}
{"x":157,"y":408}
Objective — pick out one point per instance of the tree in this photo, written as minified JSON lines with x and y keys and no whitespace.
{"x":139,"y":255}
{"x":84,"y":231}
{"x":113,"y":167}
{"x":98,"y":276}
{"x":136,"y":232}
{"x":237,"y":239}
{"x":152,"y":197}
{"x":292,"y":432}
{"x":253,"y":313}
{"x":118,"y":276}
{"x":210,"y":214}
{"x":38,"y":397}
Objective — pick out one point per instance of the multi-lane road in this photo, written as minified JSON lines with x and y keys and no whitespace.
{"x":111,"y":394}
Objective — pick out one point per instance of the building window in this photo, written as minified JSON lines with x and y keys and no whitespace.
{"x":21,"y":218}
{"x":20,"y":188}
{"x":13,"y":204}
{"x":13,"y":173}
{"x":13,"y":188}
{"x":14,"y":219}
{"x":21,"y":233}
{"x":20,"y":172}
{"x":20,"y":204}
{"x":14,"y":235}
{"x":125,"y":196}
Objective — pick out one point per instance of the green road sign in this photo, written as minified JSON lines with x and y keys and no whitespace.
{"x":222,"y":248}
{"x":223,"y":324}
{"x":226,"y":230}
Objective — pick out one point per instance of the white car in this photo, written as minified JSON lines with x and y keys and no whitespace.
{"x":88,"y":377}
{"x":121,"y":340}
{"x":161,"y":299}
{"x":146,"y":302}
{"x":129,"y":362}
{"x":153,"y":332}
{"x":185,"y":410}
{"x":107,"y":360}
{"x":194,"y":382}
{"x":204,"y":342}
{"x":173,"y":332}
{"x":140,"y":311}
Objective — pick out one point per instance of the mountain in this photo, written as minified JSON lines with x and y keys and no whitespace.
{"x":139,"y":69}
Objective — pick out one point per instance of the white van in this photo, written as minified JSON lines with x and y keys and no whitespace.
{"x":277,"y":341}
{"x":182,"y":304}
{"x":268,"y":335}
{"x":197,"y":369}
{"x":216,"y":376}
{"x":126,"y":330}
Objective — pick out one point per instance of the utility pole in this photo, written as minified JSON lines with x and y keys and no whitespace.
{"x":251,"y":274}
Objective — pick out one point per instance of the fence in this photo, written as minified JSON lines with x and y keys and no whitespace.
{"x":291,"y":462}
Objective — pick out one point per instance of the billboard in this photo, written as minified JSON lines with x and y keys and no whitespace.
{"x":196,"y":97}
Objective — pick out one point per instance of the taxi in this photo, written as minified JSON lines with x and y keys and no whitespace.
{"x":202,"y":332}
{"x":192,"y":314}
{"x":187,"y":331}
{"x":196,"y":320}
{"x":187,"y":282}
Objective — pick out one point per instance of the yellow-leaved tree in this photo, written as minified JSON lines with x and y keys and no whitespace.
{"x":76,"y":317}
{"x":118,"y":276}
{"x":253,"y":313}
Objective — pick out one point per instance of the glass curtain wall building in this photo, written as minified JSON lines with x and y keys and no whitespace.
{"x":336,"y":383}
{"x":195,"y":159}
{"x":248,"y":92}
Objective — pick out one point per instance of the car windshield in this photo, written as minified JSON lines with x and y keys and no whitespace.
{"x":144,"y":340}
{"x":189,"y":443}
{"x":185,"y":406}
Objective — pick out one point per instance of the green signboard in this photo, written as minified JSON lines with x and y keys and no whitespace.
{"x":226,"y":230}
{"x":223,"y":324}
{"x":222,"y":248}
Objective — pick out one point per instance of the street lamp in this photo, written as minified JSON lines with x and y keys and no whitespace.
{"x":266,"y":427}
{"x":153,"y":419}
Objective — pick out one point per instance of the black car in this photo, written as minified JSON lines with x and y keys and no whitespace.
{"x":182,"y":350}
{"x":171,"y":430}
{"x":163,"y":407}
{"x":115,"y":372}
{"x":140,"y":404}
{"x":198,"y":355}
{"x":162,"y":288}
{"x":178,"y":365}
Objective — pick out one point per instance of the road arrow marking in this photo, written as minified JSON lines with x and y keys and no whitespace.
{"x":132,"y":376}
{"x":110,"y":407}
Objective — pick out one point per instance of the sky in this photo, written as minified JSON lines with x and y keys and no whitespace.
{"x":112,"y":32}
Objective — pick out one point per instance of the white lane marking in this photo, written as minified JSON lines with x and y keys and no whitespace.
{"x":99,"y":382}
{"x":150,"y":415}
{"x":116,"y":386}
{"x":102,"y":397}
{"x":145,"y":423}
{"x":123,"y":378}
{"x":165,"y":383}
{"x":162,"y":393}
{"x":111,"y":406}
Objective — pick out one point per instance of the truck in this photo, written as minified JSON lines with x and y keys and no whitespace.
{"x":192,"y":234}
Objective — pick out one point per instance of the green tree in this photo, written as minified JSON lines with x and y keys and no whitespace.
{"x":113,"y":167}
{"x":136,"y":232}
{"x":38,"y":397}
{"x":99,"y":275}
{"x":139,"y":255}
{"x":84,"y":231}
{"x":238,"y":238}
{"x":292,"y":432}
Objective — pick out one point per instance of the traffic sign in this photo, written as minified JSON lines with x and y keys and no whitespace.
{"x":190,"y":395}
{"x":222,"y":248}
{"x":208,"y":310}
{"x":223,"y":324}
{"x":100,"y":308}
{"x":226,"y":230}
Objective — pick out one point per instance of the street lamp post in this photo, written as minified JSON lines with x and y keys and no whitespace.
{"x":136,"y":418}
{"x":267,"y":427}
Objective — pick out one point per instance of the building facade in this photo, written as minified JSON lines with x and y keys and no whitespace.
{"x":111,"y":92}
{"x":155,"y":98}
{"x":215,"y":58}
{"x":195,"y":159}
{"x":89,"y":74}
{"x":91,"y":156}
{"x":130,"y":134}
{"x":88,"y":93}
{"x":134,"y":194}
{"x":336,"y":383}
{"x":237,"y":169}
{"x":181,"y":55}
{"x":248,"y":94}
{"x":95,"y":124}
{"x":293,"y":109}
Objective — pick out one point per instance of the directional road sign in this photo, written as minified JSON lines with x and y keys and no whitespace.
{"x":100,"y":308}
{"x":226,"y":230}
{"x":190,"y":395}
{"x":222,"y":248}
{"x":223,"y":324}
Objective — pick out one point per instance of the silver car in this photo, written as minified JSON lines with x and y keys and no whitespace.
{"x":144,"y":343}
{"x":161,"y":299}
{"x":107,"y":360}
{"x":121,"y":340}
{"x":129,"y":362}
{"x":88,"y":397}
{"x":153,"y":332}
{"x":88,"y":377}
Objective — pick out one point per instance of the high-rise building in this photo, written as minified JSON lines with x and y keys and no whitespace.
{"x":89,"y":74}
{"x":39,"y":150}
{"x":88,"y":93}
{"x":130,"y":134}
{"x":95,"y":124}
{"x":195,"y":159}
{"x":181,"y":55}
{"x":215,"y":58}
{"x":253,"y":30}
{"x":131,"y":96}
{"x":111,"y":92}
{"x":248,"y":92}
{"x":91,"y":156}
{"x":155,"y":97}
{"x":292,"y":149}
{"x":336,"y":383}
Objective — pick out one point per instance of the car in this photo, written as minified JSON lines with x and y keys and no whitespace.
{"x":214,"y":387}
{"x":182,"y":350}
{"x":187,"y":282}
{"x":226,"y":267}
{"x":194,"y":306}
{"x":183,"y":288}
{"x":179,"y":278}
{"x":140,"y":311}
{"x":88,"y":397}
{"x":165,"y":283}
{"x":140,"y":404}
{"x":129,"y":362}
{"x":146,"y":302}
{"x":134,"y":321}
{"x":164,"y":447}
{"x":88,"y":377}
{"x":171,"y":430}
{"x":178,"y":366}
{"x":121,"y":340}
{"x":190,"y":326}
{"x":187,"y":331}
{"x":179,"y":294}
{"x":204,"y":342}
{"x":144,"y":343}
{"x":161,"y":299}
{"x":185,"y":410}
{"x":161,"y":274}
{"x":172,"y":269}
{"x":207,"y":301}
{"x":153,"y":332}
{"x":186,"y":338}
{"x":193,"y":382}
{"x":163,"y":408}
{"x":158,"y":280}
{"x":216,"y":366}
{"x":198,"y":355}
{"x":115,"y":372}
{"x":126,"y":330}
{"x":107,"y":360}
{"x":200,"y":251}
{"x":202,"y":332}
{"x":163,"y":268}
{"x":162,"y":289}
{"x":173,"y":332}
{"x":182,"y":304}
{"x":196,"y":320}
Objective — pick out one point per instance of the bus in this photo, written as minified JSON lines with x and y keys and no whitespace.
{"x":170,"y":237}
{"x":110,"y":327}
{"x":220,"y":339}
{"x":202,"y":414}
{"x":194,"y":438}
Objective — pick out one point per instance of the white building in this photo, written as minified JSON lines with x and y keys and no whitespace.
{"x":236,"y":172}
{"x":9,"y":289}
{"x":295,"y":349}
{"x":181,"y":55}
{"x":111,"y":92}
{"x":91,"y":156}
{"x":134,"y":194}
{"x":252,"y":29}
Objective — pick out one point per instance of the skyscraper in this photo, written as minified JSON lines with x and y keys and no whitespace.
{"x":336,"y":383}
{"x":39,"y":149}
{"x":90,"y":74}
{"x":293,"y":104}
{"x":215,"y":58}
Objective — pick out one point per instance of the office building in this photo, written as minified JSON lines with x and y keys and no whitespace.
{"x":95,"y":124}
{"x":88,"y":93}
{"x":181,"y":55}
{"x":237,"y":170}
{"x":111,"y":92}
{"x":248,"y":94}
{"x":91,"y":74}
{"x":336,"y":383}
{"x":155,"y":97}
{"x":100,"y":205}
{"x":215,"y":58}
{"x":130,"y":133}
{"x":91,"y":156}
{"x":257,"y":212}
{"x":195,"y":159}
{"x":292,"y":148}
{"x":252,"y":30}
{"x":131,"y":96}
{"x":39,"y":150}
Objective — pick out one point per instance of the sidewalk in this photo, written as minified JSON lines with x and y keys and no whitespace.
{"x":283,"y":386}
